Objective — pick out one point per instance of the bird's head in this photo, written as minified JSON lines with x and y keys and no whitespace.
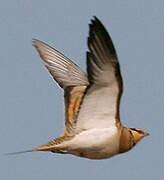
{"x":138,"y":134}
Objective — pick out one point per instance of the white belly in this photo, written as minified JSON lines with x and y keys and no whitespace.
{"x":94,"y":143}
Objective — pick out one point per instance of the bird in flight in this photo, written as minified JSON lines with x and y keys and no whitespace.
{"x":92,"y":119}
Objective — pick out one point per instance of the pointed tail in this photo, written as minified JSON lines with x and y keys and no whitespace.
{"x":40,"y":148}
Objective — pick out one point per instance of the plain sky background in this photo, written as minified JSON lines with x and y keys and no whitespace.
{"x":31,"y":105}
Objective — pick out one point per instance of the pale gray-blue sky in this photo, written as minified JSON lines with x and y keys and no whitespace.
{"x":31,"y":106}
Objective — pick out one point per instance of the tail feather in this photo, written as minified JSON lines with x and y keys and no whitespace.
{"x":20,"y":152}
{"x":40,"y":148}
{"x":51,"y":146}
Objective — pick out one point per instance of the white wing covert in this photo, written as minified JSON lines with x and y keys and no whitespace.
{"x":100,"y":106}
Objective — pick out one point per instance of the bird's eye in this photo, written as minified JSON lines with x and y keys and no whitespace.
{"x":141,"y":132}
{"x":138,"y":130}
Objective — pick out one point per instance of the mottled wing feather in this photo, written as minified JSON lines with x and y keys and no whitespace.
{"x":73,"y":102}
{"x":69,"y":76}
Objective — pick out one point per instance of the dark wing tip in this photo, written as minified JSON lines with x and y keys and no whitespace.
{"x":95,"y":20}
{"x":96,"y":28}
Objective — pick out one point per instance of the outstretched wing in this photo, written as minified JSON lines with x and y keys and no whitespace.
{"x":69,"y":76}
{"x":100,"y":107}
{"x":63,"y":70}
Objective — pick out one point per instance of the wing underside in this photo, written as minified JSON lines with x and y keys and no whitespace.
{"x":100,"y":107}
